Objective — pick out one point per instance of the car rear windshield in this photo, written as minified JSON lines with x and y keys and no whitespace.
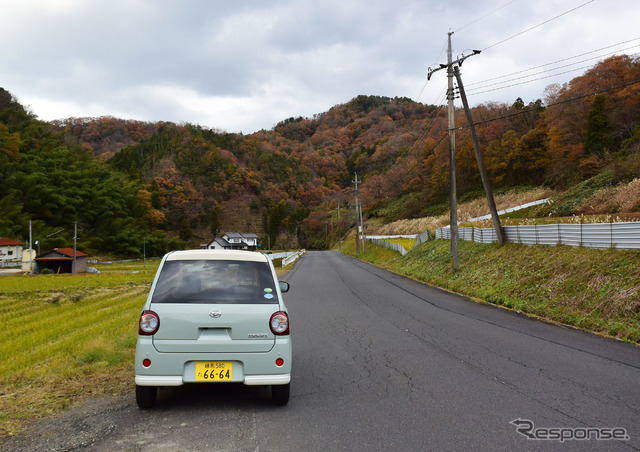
{"x":215,"y":281}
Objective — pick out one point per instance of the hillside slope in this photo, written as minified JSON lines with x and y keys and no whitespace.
{"x":286,"y":183}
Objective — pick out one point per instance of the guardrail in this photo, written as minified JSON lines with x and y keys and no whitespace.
{"x":287,"y":256}
{"x":397,"y":236}
{"x":591,"y":235}
{"x":292,"y":257}
{"x":512,"y":209}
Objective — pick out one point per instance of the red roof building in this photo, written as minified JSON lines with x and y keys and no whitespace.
{"x":60,"y":260}
{"x":10,"y":250}
{"x":9,"y":242}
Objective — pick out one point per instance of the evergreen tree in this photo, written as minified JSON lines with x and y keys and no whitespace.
{"x":596,"y":141}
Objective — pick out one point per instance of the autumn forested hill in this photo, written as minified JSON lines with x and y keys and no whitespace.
{"x":125,"y":180}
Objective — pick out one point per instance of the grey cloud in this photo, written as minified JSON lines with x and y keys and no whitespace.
{"x":260,"y":61}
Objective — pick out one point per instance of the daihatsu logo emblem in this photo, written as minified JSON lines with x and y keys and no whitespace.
{"x":215,"y":313}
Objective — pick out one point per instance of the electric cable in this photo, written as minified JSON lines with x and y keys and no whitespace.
{"x":564,"y":101}
{"x":554,"y":69}
{"x":539,"y":25}
{"x":484,"y":17}
{"x":401,"y":177}
{"x":476,"y":92}
{"x":560,"y":61}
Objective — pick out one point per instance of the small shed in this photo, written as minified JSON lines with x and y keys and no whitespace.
{"x":60,"y":260}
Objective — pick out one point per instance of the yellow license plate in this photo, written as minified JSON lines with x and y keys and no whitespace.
{"x":214,"y":371}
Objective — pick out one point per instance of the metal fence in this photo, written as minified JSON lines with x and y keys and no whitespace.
{"x":421,"y":238}
{"x":394,"y":246}
{"x":592,"y":235}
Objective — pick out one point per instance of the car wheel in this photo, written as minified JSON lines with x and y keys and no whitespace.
{"x":280,"y":394}
{"x":146,"y":396}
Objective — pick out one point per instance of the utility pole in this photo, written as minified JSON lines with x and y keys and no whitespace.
{"x":75,"y":239}
{"x":361,"y":228}
{"x":453,"y":204}
{"x":355,"y":181}
{"x":331,"y":230}
{"x":339,"y":236}
{"x":481,"y":166}
{"x":326,"y":239}
{"x":30,"y":250}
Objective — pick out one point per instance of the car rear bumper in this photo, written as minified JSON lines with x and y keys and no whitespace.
{"x":250,"y":380}
{"x":175,"y":369}
{"x":279,"y":379}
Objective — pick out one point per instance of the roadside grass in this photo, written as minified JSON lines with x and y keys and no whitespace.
{"x":407,"y":244}
{"x":595,"y":290}
{"x":67,"y":337}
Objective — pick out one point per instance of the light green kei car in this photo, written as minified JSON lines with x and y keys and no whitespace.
{"x":214,"y":316}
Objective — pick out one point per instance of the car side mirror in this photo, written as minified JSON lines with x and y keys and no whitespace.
{"x":284,"y":286}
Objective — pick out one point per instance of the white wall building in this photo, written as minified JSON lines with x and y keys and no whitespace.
{"x":10,"y":250}
{"x":236,"y":241}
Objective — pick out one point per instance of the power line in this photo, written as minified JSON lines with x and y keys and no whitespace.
{"x":401,"y":177}
{"x":419,"y":139}
{"x":539,"y":25}
{"x":484,"y":17}
{"x":554,"y":104}
{"x":560,"y":61}
{"x":475,"y":91}
{"x":493,"y":45}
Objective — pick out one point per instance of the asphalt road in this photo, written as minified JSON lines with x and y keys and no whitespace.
{"x":385,"y":363}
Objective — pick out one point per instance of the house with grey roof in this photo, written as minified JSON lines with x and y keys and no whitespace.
{"x":235,"y":241}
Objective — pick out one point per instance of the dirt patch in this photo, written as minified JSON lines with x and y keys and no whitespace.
{"x":79,"y":427}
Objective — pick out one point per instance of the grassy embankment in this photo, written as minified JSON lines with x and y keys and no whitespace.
{"x":65,"y":338}
{"x":596,"y":290}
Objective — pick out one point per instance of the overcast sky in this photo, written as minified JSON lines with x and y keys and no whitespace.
{"x":244,"y":65}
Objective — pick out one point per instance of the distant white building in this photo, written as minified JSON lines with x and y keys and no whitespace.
{"x":219,"y":244}
{"x":10,"y":250}
{"x":235,"y":241}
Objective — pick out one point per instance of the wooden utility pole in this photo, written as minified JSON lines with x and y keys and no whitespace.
{"x":339,"y":236}
{"x":361,"y":228}
{"x":483,"y":170}
{"x":355,"y":181}
{"x":75,"y":240}
{"x":453,"y":203}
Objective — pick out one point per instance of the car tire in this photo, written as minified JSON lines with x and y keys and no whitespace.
{"x":280,"y":394}
{"x":146,"y":396}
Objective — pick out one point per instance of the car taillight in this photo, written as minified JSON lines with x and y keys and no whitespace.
{"x":279,"y":323}
{"x":149,"y":323}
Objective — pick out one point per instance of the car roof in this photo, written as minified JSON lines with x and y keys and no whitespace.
{"x":229,"y":255}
